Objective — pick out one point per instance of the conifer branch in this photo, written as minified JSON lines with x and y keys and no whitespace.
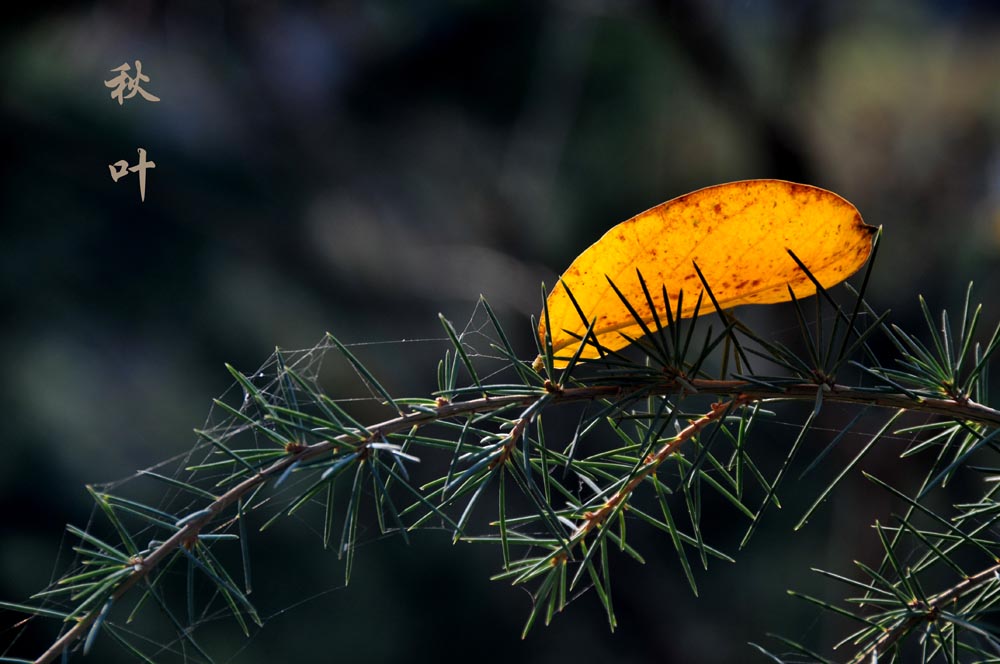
{"x":925,"y":611}
{"x":742,"y":392}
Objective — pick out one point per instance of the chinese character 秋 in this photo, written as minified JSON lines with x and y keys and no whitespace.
{"x":123,"y":169}
{"x":123,"y":81}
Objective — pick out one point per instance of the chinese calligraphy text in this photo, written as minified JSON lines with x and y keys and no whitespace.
{"x":132,"y":84}
{"x":124,"y":82}
{"x":121,"y":168}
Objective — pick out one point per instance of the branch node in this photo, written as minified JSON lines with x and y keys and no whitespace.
{"x":295,"y":447}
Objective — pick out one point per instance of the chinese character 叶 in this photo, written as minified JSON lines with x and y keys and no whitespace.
{"x":123,"y":169}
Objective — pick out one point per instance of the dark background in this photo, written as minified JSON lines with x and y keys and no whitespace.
{"x":359,"y":167}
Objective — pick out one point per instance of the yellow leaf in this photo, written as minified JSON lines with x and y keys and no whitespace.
{"x":737,"y":233}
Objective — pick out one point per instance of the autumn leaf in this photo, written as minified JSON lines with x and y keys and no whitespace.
{"x":739,"y":235}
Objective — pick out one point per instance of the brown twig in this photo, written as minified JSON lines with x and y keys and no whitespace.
{"x":595,"y":518}
{"x":928,"y":611}
{"x":742,"y":391}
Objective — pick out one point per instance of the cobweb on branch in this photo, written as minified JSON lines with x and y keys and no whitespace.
{"x":293,"y":384}
{"x":151,"y":502}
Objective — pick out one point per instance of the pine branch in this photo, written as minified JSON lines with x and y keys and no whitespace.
{"x":742,"y":392}
{"x":925,"y":611}
{"x":597,"y":517}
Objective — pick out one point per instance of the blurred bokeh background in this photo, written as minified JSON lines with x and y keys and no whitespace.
{"x":360,"y":167}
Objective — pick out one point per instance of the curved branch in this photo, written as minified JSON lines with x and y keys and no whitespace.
{"x":742,"y":391}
